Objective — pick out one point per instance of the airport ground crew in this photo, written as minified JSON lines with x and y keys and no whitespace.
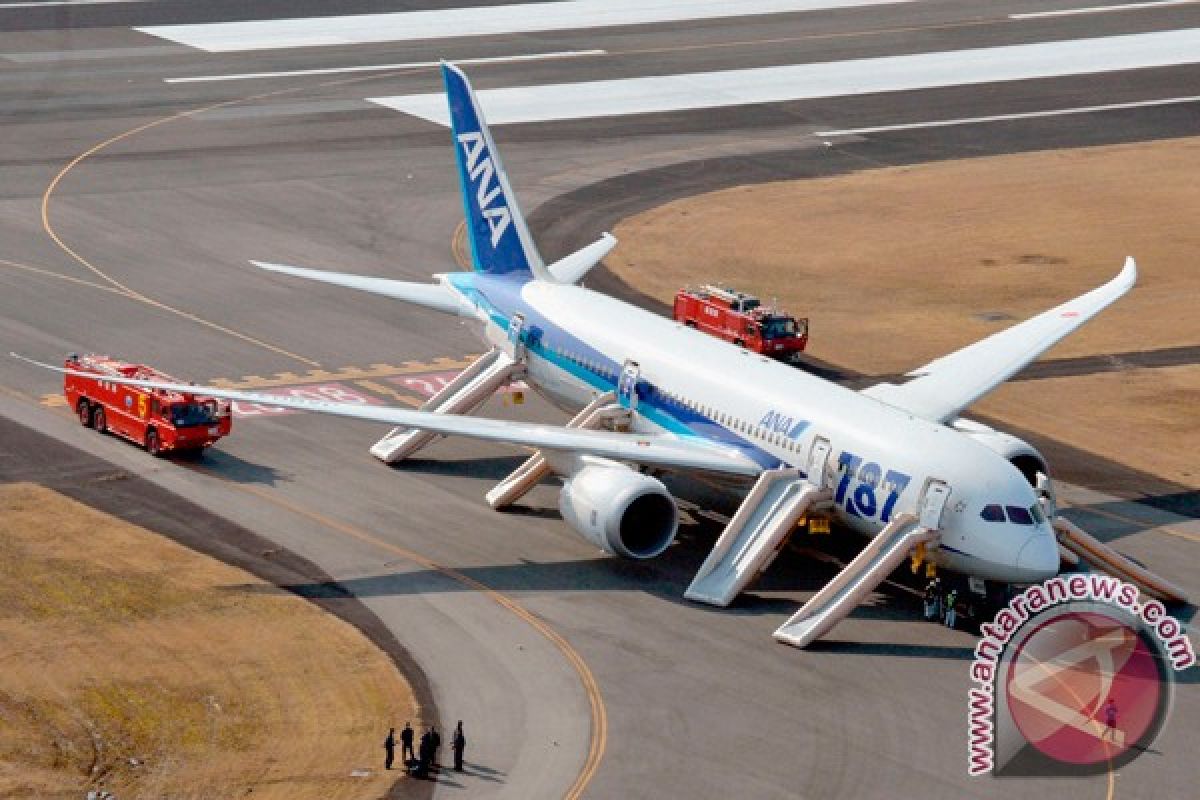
{"x":389,"y":748}
{"x":933,"y":599}
{"x":459,"y":744}
{"x":435,"y":744}
{"x":406,"y":740}
{"x":951,"y":600}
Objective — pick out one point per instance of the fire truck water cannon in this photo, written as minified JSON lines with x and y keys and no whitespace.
{"x":158,"y":420}
{"x":742,"y":319}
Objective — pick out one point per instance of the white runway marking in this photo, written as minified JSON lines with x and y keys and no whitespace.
{"x":1071,"y":12}
{"x":296,"y":73}
{"x":402,"y":26}
{"x":945,"y":123}
{"x":807,"y":81}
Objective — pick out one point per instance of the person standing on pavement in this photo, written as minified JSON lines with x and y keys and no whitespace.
{"x":389,"y":748}
{"x":424,"y":754}
{"x":435,"y":742}
{"x":951,"y":612}
{"x":459,"y":743}
{"x":933,"y":598}
{"x":406,"y":740}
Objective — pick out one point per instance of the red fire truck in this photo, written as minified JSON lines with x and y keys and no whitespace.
{"x":741,"y":318}
{"x":158,"y":420}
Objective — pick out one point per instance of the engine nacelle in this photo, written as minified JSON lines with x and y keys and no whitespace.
{"x":1020,"y":453}
{"x":620,"y":511}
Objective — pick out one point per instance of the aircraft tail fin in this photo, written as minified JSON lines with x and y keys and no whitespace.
{"x":500,"y":240}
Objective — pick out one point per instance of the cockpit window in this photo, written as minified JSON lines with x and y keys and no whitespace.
{"x":1018,"y":515}
{"x":992,"y":513}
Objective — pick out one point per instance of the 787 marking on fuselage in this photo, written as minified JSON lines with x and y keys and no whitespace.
{"x":863,"y":501}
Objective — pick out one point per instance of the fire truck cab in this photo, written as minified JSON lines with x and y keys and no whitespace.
{"x":741,"y":318}
{"x":158,"y":420}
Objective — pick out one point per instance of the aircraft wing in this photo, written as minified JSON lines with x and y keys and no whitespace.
{"x":429,"y":295}
{"x":941,"y":389}
{"x":660,"y":450}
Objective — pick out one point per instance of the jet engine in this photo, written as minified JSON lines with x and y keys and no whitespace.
{"x":620,"y":511}
{"x":1020,"y":454}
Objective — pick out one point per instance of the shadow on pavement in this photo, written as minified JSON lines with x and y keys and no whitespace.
{"x":892,"y":649}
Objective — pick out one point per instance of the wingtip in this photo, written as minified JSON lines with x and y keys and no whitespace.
{"x":1129,"y":272}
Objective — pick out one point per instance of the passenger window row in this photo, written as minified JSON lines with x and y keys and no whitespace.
{"x":720,"y":417}
{"x":731,"y":422}
{"x":587,"y":363}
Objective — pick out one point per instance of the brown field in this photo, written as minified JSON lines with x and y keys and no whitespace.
{"x":896,"y":266}
{"x":133,"y":663}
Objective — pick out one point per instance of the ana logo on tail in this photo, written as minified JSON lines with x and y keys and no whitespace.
{"x":481,"y":170}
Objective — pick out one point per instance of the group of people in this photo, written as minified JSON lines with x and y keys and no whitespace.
{"x":425,"y":758}
{"x":939,"y":605}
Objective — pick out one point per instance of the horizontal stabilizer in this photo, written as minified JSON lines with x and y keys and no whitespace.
{"x":429,"y":295}
{"x":572,"y":268}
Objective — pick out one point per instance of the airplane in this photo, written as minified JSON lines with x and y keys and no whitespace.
{"x":894,"y":462}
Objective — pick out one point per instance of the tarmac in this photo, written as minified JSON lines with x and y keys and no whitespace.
{"x":129,"y":208}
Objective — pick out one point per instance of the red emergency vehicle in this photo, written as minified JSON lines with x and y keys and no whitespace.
{"x":158,"y":420}
{"x":741,"y":318}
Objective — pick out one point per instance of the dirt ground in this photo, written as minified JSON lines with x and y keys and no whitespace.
{"x":897,"y":266}
{"x":133,"y":663}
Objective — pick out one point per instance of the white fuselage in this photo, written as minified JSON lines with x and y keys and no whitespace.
{"x":691,"y":384}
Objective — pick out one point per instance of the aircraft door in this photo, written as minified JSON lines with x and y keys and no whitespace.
{"x":818,"y":462}
{"x":933,"y":503}
{"x":627,"y":385}
{"x":515,"y":346}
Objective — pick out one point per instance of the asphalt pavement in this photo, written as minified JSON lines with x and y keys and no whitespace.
{"x":130,"y":207}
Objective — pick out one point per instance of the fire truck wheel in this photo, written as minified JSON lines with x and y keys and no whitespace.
{"x":152,"y":444}
{"x":85,"y":414}
{"x":739,"y":342}
{"x":99,"y":420}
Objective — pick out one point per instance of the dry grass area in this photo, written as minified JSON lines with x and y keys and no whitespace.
{"x":134,"y":663}
{"x":897,"y":266}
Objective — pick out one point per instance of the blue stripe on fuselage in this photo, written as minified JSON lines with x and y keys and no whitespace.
{"x":499,"y":296}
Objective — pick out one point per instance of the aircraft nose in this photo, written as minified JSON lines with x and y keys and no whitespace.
{"x":1039,"y":556}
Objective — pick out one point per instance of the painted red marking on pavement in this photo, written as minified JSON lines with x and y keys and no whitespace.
{"x":430,"y":383}
{"x":324,"y":392}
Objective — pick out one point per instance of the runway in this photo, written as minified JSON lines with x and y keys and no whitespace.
{"x":130,"y":207}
